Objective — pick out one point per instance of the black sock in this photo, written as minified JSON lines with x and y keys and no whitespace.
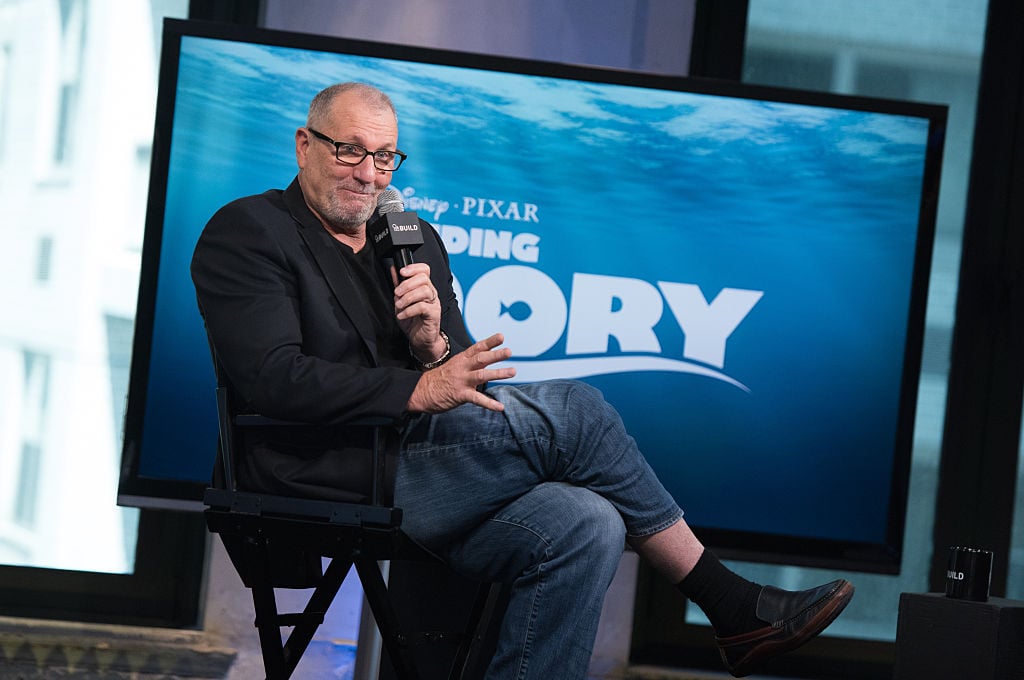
{"x":728,"y":600}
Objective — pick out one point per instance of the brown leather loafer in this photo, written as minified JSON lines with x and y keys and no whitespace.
{"x":793,"y":618}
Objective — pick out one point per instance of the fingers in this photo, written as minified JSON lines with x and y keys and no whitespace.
{"x":474,"y":396}
{"x":487,"y":352}
{"x":486,"y":344}
{"x":486,"y":402}
{"x":415,"y":295}
{"x":482,"y":355}
{"x":413,"y":277}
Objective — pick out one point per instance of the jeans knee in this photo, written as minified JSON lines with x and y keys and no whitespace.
{"x":593,"y":527}
{"x":585,"y":397}
{"x":575,"y":525}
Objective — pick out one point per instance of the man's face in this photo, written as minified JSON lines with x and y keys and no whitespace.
{"x":345,"y":196}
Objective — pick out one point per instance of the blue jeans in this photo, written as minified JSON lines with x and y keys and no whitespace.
{"x":542,"y":496}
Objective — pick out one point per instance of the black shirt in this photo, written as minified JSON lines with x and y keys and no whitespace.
{"x":375,"y":285}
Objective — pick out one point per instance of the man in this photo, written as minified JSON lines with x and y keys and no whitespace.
{"x":535,"y":485}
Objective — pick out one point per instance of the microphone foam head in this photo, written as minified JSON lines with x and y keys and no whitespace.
{"x":390,"y":201}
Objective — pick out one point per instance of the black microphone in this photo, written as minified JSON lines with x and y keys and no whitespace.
{"x":396,"y":232}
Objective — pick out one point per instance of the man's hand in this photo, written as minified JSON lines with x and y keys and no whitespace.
{"x":418,"y":311}
{"x":455,"y":382}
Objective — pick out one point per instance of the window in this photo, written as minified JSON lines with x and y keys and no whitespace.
{"x":1015,"y":581}
{"x":33,"y":422}
{"x":44,"y":259}
{"x":5,"y":60}
{"x":913,"y":50}
{"x":72,"y":51}
{"x":77,"y":76}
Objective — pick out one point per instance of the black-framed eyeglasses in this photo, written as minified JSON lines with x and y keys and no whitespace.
{"x":351,"y":153}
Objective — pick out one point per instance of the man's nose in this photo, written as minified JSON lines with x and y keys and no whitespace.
{"x":365,"y":171}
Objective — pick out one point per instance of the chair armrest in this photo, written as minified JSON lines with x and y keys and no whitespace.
{"x":258,"y":420}
{"x":310,"y":509}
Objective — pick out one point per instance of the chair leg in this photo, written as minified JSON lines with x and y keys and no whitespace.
{"x":393,"y":639}
{"x":281,"y":657}
{"x":312,"y":615}
{"x":269,"y":629}
{"x":481,"y":617}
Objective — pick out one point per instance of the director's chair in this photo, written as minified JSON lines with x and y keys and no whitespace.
{"x":278,"y":541}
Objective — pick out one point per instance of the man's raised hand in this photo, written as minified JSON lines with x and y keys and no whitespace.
{"x":455,"y":382}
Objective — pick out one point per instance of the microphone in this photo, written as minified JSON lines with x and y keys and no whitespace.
{"x":396,"y":231}
{"x":390,"y":201}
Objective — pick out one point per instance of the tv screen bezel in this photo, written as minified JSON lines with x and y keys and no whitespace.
{"x":138,"y":490}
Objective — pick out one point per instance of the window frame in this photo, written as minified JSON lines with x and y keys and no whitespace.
{"x":982,"y":421}
{"x":163,"y":590}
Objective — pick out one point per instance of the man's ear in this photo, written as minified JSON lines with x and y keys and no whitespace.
{"x":301,"y":146}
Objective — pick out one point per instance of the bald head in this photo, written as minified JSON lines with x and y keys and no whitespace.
{"x":320,"y":108}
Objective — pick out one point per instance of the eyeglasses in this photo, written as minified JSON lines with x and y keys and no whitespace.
{"x":351,"y":153}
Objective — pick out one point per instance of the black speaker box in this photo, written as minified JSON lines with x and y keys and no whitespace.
{"x":940,"y":638}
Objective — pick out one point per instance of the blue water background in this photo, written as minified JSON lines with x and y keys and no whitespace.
{"x":816,"y":207}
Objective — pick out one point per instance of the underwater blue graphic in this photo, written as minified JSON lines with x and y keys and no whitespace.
{"x":734,"y":274}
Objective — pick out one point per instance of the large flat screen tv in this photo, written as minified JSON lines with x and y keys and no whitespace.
{"x":742,"y":271}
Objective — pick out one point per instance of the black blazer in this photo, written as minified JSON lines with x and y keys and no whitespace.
{"x":295,"y":341}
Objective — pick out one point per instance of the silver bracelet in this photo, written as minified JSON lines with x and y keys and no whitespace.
{"x":426,"y":366}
